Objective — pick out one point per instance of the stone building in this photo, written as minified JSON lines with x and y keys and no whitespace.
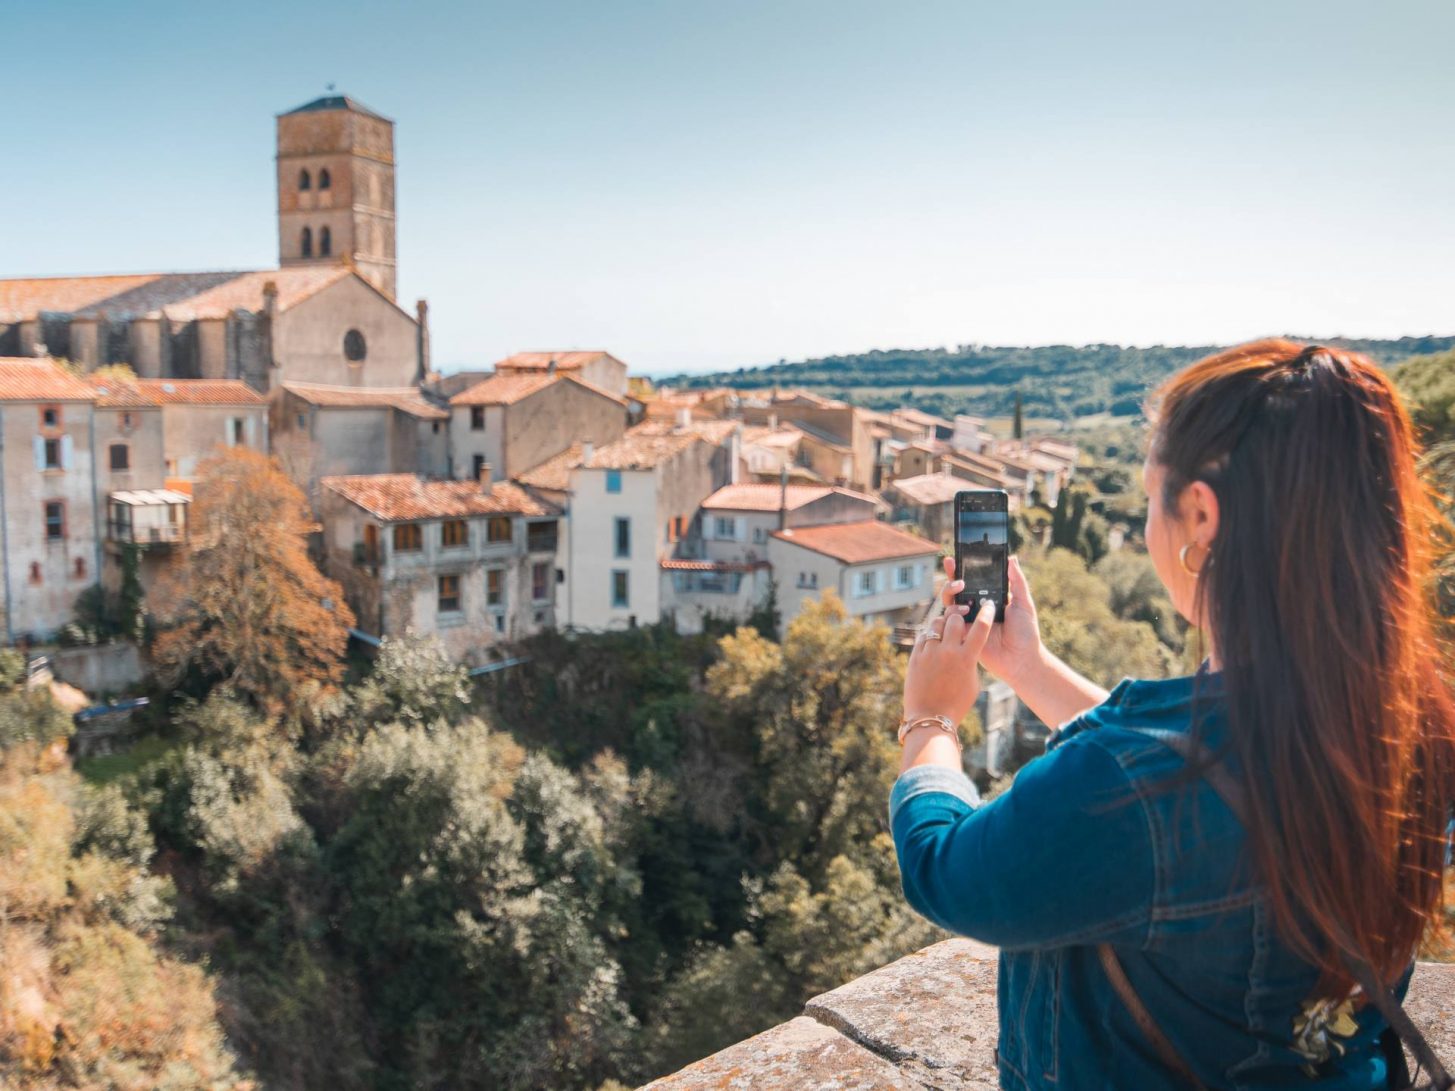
{"x":201,"y":416}
{"x":928,"y":501}
{"x":336,"y":189}
{"x":471,"y":562}
{"x":595,"y":366}
{"x":512,"y":421}
{"x":50,"y":550}
{"x":722,"y":569}
{"x":326,"y":315}
{"x":320,"y":430}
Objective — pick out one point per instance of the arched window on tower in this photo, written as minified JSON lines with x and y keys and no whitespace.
{"x":307,"y":242}
{"x":324,"y":181}
{"x":304,"y":181}
{"x":325,"y":242}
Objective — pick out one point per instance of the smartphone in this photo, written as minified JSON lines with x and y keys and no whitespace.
{"x":982,"y":548}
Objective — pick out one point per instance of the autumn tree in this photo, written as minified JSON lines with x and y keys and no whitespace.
{"x":247,"y":607}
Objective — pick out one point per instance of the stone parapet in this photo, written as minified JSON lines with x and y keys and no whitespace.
{"x":929,"y":1021}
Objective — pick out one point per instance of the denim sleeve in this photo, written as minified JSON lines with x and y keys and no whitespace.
{"x":1064,"y":856}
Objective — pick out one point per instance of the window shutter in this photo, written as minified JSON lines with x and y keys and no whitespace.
{"x":39,"y":445}
{"x":66,"y":452}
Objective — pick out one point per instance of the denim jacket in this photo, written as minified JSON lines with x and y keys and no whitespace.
{"x":1089,"y":846}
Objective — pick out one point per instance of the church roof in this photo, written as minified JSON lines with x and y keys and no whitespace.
{"x":334,"y":102}
{"x":183,"y":296}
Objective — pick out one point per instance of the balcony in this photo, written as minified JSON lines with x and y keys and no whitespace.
{"x":147,"y":517}
{"x":929,"y":1020}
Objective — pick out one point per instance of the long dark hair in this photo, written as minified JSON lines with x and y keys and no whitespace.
{"x":1317,"y":594}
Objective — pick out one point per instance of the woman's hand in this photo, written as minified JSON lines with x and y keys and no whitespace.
{"x":941,"y":679}
{"x":1014,"y":647}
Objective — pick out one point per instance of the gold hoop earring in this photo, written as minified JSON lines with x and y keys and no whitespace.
{"x":1182,"y":560}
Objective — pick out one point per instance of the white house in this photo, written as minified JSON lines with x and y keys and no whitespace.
{"x":880,"y":573}
{"x":630,"y":503}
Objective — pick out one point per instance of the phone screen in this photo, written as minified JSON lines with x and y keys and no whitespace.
{"x":982,"y":547}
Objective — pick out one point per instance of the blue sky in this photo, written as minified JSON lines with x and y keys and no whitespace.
{"x":699,"y":185}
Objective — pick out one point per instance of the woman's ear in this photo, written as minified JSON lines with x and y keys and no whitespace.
{"x":1199,"y":510}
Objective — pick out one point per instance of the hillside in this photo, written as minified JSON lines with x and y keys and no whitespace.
{"x":1057,"y":381}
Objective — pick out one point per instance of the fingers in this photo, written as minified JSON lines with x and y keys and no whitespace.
{"x":954,"y":628}
{"x":952,"y":586}
{"x":978,"y":631}
{"x":1020,"y":591}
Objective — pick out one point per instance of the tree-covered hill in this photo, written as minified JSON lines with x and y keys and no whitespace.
{"x":1057,"y":381}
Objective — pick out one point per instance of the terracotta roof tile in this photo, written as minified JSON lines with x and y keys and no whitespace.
{"x":30,"y":379}
{"x":404,"y":497}
{"x":406,"y":399}
{"x":749,"y":496}
{"x":930,"y":488}
{"x":200,"y":392}
{"x":653,"y":442}
{"x":119,"y":393}
{"x":180,"y":295}
{"x":858,"y":543}
{"x":570,"y":360}
{"x":554,"y":474}
{"x":504,"y":389}
{"x":507,"y":389}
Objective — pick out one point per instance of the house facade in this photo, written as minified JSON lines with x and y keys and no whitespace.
{"x":596,"y":367}
{"x":329,"y":431}
{"x":473,"y":563}
{"x":631,"y":503}
{"x":514,"y":421}
{"x":882,"y":574}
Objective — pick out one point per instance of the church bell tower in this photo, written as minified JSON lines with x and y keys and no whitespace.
{"x":336,"y":188}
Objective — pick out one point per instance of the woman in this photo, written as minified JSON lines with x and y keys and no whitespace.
{"x":1226,"y":896}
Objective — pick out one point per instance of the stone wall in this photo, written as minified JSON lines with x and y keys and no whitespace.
{"x":929,"y":1021}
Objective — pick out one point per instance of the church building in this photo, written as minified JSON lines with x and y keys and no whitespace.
{"x":327,"y":315}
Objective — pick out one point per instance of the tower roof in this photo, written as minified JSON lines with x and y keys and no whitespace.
{"x":335,"y":102}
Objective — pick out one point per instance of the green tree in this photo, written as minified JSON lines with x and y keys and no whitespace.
{"x":1135,"y":592}
{"x":1078,"y":624}
{"x":414,"y":681}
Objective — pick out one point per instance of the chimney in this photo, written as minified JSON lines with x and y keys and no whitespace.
{"x":484,"y":479}
{"x":772,"y":422}
{"x":551,"y":366}
{"x":270,"y":319}
{"x":783,"y":497}
{"x":684,"y":419}
{"x":587,"y":450}
{"x":421,"y":311}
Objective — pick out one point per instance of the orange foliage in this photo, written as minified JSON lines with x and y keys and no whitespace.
{"x":248,"y":606}
{"x":84,"y":1002}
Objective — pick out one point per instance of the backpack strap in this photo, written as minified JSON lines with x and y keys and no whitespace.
{"x":1381,"y":995}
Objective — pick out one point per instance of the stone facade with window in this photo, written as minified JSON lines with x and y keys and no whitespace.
{"x":470,"y":562}
{"x":51,"y":546}
{"x":514,"y":422}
